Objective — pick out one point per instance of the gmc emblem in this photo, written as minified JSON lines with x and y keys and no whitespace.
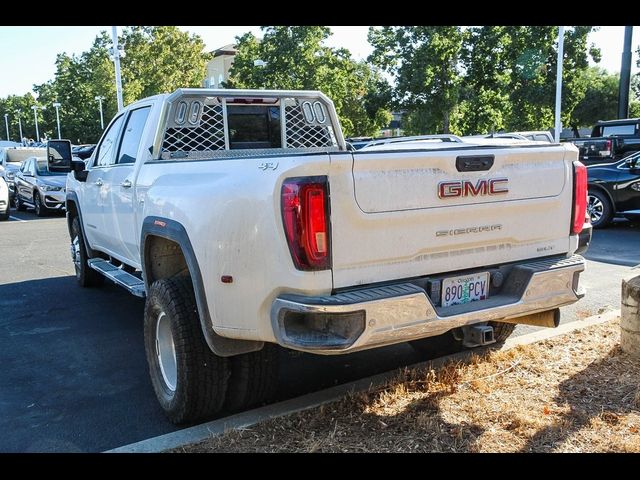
{"x":466,"y":188}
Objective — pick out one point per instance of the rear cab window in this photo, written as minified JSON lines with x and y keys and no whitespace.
{"x":627,"y":129}
{"x":132,"y":135}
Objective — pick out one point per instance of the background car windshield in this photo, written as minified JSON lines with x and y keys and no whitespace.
{"x":43,"y":170}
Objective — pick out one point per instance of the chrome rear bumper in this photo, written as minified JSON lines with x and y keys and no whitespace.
{"x":378,"y":316}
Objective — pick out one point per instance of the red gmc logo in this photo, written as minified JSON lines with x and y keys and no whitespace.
{"x":466,"y":188}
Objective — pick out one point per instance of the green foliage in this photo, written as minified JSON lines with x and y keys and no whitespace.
{"x":532,"y":62}
{"x":297,"y":59}
{"x":160,"y":59}
{"x":635,"y":86}
{"x":424,"y":61}
{"x":157,"y":60}
{"x":485,"y":94}
{"x":447,"y":78}
{"x":481,"y":78}
{"x":19,"y":106}
{"x":600,"y":101}
{"x":77,"y":81}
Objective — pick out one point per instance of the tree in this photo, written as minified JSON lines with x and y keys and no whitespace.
{"x":532,"y":61}
{"x":600,"y":101}
{"x":635,"y":86}
{"x":161,"y":59}
{"x":485,"y":95}
{"x":478,"y":79}
{"x":19,"y":106}
{"x":157,"y":60}
{"x":296,"y":58}
{"x":424,"y":61}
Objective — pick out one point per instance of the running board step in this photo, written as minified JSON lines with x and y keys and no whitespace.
{"x":130,"y":282}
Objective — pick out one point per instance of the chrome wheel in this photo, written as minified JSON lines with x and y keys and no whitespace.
{"x":595,"y":208}
{"x":75,"y":252}
{"x":166,"y":351}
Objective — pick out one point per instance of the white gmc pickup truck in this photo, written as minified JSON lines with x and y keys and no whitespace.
{"x":246,"y":221}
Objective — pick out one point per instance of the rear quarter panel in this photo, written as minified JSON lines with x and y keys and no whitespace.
{"x":231,"y":211}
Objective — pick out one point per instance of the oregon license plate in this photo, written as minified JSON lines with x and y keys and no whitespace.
{"x":465,"y":289}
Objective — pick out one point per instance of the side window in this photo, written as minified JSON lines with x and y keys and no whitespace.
{"x":132,"y":135}
{"x":107,"y":148}
{"x":541,"y":138}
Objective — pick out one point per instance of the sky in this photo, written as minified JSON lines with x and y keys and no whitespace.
{"x":29,"y":53}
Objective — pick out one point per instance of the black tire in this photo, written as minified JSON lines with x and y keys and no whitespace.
{"x":17,"y":202}
{"x":432,"y":347}
{"x":254,"y":378}
{"x":41,"y":210}
{"x":4,"y":215}
{"x":86,"y":276}
{"x":502,"y":331}
{"x":599,"y":208}
{"x":200,"y":375}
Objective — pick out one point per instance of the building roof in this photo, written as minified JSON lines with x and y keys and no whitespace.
{"x":229,"y":49}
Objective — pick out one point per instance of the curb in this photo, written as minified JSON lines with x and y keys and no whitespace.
{"x":246,"y":419}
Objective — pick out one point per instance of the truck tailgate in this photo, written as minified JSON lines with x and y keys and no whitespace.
{"x":405,"y":223}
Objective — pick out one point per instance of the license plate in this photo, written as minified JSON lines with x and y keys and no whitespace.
{"x":465,"y":289}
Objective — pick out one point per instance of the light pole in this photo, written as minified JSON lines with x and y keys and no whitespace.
{"x":35,"y":116}
{"x":57,"y":105}
{"x":20,"y":125}
{"x":625,"y":75}
{"x":116,"y":61}
{"x":6,"y":124}
{"x":99,"y":98}
{"x":558,"y":123}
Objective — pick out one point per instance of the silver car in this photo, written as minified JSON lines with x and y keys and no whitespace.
{"x":36,"y":186}
{"x":11,"y":158}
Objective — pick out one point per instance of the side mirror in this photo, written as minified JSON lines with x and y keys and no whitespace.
{"x":79,"y":171}
{"x":59,"y":155}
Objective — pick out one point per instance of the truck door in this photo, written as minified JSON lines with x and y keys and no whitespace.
{"x":94,"y":191}
{"x":119,"y":183}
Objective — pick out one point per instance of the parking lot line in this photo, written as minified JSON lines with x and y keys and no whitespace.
{"x":17,"y":219}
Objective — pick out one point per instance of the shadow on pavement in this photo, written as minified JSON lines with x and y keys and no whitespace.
{"x":74,"y":374}
{"x":616,"y":244}
{"x":30,"y":215}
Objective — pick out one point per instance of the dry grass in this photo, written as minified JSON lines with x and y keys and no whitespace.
{"x":575,"y":393}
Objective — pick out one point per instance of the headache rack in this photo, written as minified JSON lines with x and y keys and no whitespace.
{"x":216,"y":123}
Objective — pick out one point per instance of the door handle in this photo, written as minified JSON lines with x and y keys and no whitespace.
{"x":99,"y":182}
{"x":126,"y":184}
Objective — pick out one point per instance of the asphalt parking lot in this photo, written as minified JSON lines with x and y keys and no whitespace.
{"x":74,"y":375}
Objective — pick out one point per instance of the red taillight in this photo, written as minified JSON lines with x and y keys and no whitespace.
{"x":579,"y":197}
{"x":305,"y":214}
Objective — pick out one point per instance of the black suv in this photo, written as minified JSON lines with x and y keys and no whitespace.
{"x":614,"y":188}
